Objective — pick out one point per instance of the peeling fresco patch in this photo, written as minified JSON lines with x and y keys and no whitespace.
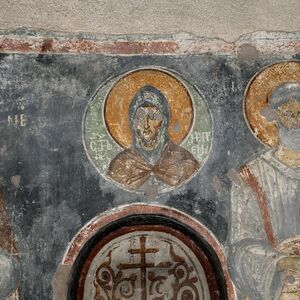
{"x":9,"y":256}
{"x":261,"y":42}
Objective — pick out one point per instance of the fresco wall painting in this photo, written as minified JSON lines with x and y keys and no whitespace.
{"x":153,"y":130}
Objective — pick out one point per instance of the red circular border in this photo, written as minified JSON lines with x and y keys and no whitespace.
{"x":202,"y":258}
{"x":101,"y":221}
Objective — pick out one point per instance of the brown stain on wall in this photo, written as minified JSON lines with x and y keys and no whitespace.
{"x":47,"y":45}
{"x":7,"y":236}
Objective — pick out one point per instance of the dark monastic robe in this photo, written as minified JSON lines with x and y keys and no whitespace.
{"x":175,"y":166}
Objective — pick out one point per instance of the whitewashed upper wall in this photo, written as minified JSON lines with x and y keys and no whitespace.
{"x":227,"y":19}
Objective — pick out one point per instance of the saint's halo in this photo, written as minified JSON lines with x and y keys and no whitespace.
{"x":259,"y":89}
{"x":121,"y":94}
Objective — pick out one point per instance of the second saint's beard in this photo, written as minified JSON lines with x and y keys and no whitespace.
{"x":290,"y":138}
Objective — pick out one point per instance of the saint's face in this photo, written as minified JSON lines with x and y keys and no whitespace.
{"x":148,"y":122}
{"x":289,"y":114}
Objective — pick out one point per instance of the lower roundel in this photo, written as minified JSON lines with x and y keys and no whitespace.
{"x":147,"y":262}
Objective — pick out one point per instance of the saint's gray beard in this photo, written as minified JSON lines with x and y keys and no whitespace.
{"x":290,"y":138}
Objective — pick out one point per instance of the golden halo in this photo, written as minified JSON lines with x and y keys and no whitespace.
{"x":256,"y":97}
{"x":122,"y":93}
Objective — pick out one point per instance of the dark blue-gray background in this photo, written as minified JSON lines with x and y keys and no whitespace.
{"x":60,"y":190}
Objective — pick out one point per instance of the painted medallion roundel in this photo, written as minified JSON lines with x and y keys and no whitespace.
{"x":147,"y":262}
{"x":147,"y":131}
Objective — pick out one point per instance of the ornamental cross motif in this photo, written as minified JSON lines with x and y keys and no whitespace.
{"x":168,"y":279}
{"x":143,"y":265}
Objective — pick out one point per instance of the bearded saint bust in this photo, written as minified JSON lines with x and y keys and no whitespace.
{"x":153,"y":161}
{"x":265,"y":227}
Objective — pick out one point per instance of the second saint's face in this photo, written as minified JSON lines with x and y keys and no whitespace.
{"x":148,"y":123}
{"x":289,"y":114}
